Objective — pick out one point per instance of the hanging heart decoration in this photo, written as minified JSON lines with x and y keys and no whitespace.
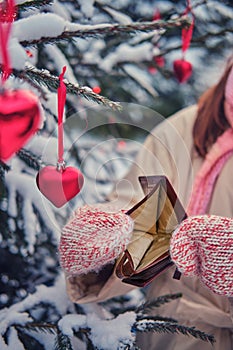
{"x":19,"y":109}
{"x":20,"y":118}
{"x":183,"y":68}
{"x":59,"y":184}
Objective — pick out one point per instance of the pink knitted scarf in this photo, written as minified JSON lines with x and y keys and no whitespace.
{"x":215,"y":160}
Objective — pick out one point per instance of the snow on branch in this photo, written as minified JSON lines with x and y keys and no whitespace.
{"x":147,"y":324}
{"x":27,"y":5}
{"x":19,"y":313}
{"x":73,"y":30}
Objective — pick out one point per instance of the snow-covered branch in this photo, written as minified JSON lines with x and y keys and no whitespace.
{"x":44,"y":77}
{"x":84,"y":31}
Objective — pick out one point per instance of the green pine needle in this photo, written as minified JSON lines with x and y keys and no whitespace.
{"x":4,"y":167}
{"x":148,"y":325}
{"x":148,"y":305}
{"x":62,"y":342}
{"x":29,"y":158}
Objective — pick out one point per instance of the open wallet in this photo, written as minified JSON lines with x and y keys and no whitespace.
{"x":155,"y":217}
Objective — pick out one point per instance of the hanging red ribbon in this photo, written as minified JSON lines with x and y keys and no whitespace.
{"x":61,"y":91}
{"x":187,"y":33}
{"x":182,"y":68}
{"x":7,"y":15}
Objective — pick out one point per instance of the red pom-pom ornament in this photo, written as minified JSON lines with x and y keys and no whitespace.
{"x":96,"y":89}
{"x":159,"y":60}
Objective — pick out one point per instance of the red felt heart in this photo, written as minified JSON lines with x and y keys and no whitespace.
{"x":59,"y":186}
{"x":19,"y":119}
{"x":182,"y":70}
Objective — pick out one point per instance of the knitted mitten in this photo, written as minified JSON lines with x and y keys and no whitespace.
{"x":93,"y":238}
{"x":203,"y":246}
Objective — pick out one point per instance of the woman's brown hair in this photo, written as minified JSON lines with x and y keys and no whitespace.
{"x":211,"y":121}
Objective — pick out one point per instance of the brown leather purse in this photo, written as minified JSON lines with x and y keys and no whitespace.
{"x":155,"y":217}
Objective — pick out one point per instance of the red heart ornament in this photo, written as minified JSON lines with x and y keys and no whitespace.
{"x":59,"y":186}
{"x":182,"y":70}
{"x":19,"y":119}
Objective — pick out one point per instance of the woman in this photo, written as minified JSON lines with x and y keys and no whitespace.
{"x":194,"y":150}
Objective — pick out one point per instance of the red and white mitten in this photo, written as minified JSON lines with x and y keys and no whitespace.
{"x":203,"y":246}
{"x":93,"y":238}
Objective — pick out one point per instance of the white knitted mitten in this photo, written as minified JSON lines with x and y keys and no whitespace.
{"x":203,"y":246}
{"x":93,"y":238}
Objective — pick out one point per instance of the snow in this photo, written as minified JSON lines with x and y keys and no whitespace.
{"x":60,"y":10}
{"x":70,"y":323}
{"x":13,"y":340}
{"x":38,"y":26}
{"x":60,"y":61}
{"x":10,"y":316}
{"x":3,"y":345}
{"x":44,"y":147}
{"x":25,"y":185}
{"x":125,"y":53}
{"x":118,"y":16}
{"x":102,"y":333}
{"x":19,"y":2}
{"x":222,"y":9}
{"x":87,"y":7}
{"x":141,"y":77}
{"x":18,"y":54}
{"x":17,"y":313}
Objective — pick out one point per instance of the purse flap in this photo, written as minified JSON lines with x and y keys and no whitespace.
{"x":155,"y":218}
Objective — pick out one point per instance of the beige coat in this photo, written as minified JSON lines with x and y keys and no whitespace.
{"x":169,"y":151}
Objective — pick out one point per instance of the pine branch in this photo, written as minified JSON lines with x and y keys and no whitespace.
{"x":3,"y":167}
{"x":28,"y":5}
{"x":85,"y":31}
{"x":157,"y":318}
{"x":62,"y":342}
{"x":148,"y":305}
{"x":39,"y":327}
{"x":44,"y":77}
{"x":148,"y":325}
{"x":28,"y":341}
{"x":29,"y":158}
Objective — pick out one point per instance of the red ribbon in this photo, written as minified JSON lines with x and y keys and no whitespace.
{"x":7,"y":15}
{"x":187,"y":33}
{"x":61,"y":92}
